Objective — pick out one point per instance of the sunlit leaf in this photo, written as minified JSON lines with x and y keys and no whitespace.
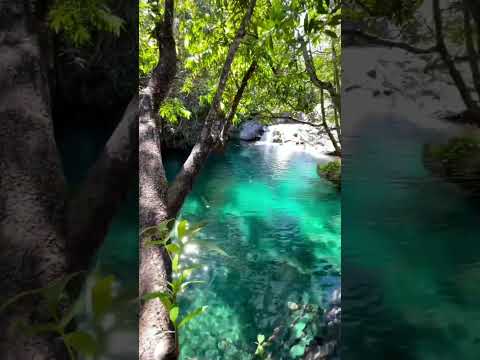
{"x":192,"y":315}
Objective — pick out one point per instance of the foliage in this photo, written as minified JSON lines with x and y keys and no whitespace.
{"x":456,"y":149}
{"x":160,"y":235}
{"x":399,"y":11}
{"x":331,"y":171}
{"x":172,"y":109}
{"x":280,"y":83}
{"x":54,"y":298}
{"x":78,"y":18}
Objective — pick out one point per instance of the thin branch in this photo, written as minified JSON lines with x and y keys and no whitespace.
{"x":374,"y":40}
{"x":442,"y":48}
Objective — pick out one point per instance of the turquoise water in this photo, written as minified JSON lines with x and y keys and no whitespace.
{"x":269,"y":210}
{"x":410,"y":250}
{"x":280,"y":224}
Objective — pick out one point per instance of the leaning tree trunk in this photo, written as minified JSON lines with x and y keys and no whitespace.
{"x":160,"y":201}
{"x":32,"y":199}
{"x":156,"y":339}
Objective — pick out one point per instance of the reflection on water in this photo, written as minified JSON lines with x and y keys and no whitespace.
{"x":280,"y":223}
{"x":410,"y":252}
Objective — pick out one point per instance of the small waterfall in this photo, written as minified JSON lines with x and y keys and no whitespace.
{"x":267,"y":136}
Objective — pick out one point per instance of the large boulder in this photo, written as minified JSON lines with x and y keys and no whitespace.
{"x":251,"y":130}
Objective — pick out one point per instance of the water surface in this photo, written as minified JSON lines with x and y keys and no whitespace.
{"x":280,"y":223}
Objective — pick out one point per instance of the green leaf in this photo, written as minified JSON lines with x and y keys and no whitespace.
{"x":82,"y":341}
{"x":176,"y":263}
{"x":192,"y":315}
{"x":187,"y":283}
{"x":102,"y":296}
{"x":209,"y":246}
{"x":54,"y":292}
{"x":173,"y":248}
{"x":74,"y":310}
{"x":194,"y":229}
{"x":173,"y":313}
{"x":182,"y":229}
{"x":164,"y":297}
{"x":331,"y":34}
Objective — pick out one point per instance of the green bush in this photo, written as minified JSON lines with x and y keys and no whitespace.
{"x":332,"y":171}
{"x":456,"y":149}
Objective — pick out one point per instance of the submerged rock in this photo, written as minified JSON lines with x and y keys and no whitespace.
{"x":251,"y":130}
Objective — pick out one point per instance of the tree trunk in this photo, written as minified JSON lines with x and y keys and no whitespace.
{"x":34,"y":237}
{"x":447,"y":59}
{"x":183,"y":182}
{"x":236,"y":101}
{"x":156,"y":340}
{"x":32,"y":242}
{"x":472,"y":54}
{"x":338,"y":150}
{"x":338,"y":89}
{"x":312,"y":73}
{"x":159,"y":201}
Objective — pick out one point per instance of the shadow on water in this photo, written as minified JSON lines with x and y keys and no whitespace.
{"x":280,"y":223}
{"x":410,"y":250}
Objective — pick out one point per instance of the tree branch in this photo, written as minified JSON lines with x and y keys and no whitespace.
{"x":471,"y":47}
{"x":312,"y":73}
{"x":374,"y":40}
{"x":183,"y":182}
{"x":236,"y":101}
{"x":90,"y":211}
{"x":442,"y":48}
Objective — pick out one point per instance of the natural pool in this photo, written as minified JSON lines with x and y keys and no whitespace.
{"x":280,"y":223}
{"x":269,"y":210}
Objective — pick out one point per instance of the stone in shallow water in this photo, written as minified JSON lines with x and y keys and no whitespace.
{"x":251,"y":130}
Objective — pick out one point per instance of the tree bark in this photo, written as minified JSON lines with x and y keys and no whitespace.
{"x":34,"y":235}
{"x":32,"y":242}
{"x":156,"y":340}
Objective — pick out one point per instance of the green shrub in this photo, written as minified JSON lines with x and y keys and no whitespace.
{"x":332,"y":171}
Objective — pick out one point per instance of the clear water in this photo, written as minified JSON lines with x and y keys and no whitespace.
{"x":280,"y":223}
{"x":410,"y":251}
{"x":268,"y":209}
